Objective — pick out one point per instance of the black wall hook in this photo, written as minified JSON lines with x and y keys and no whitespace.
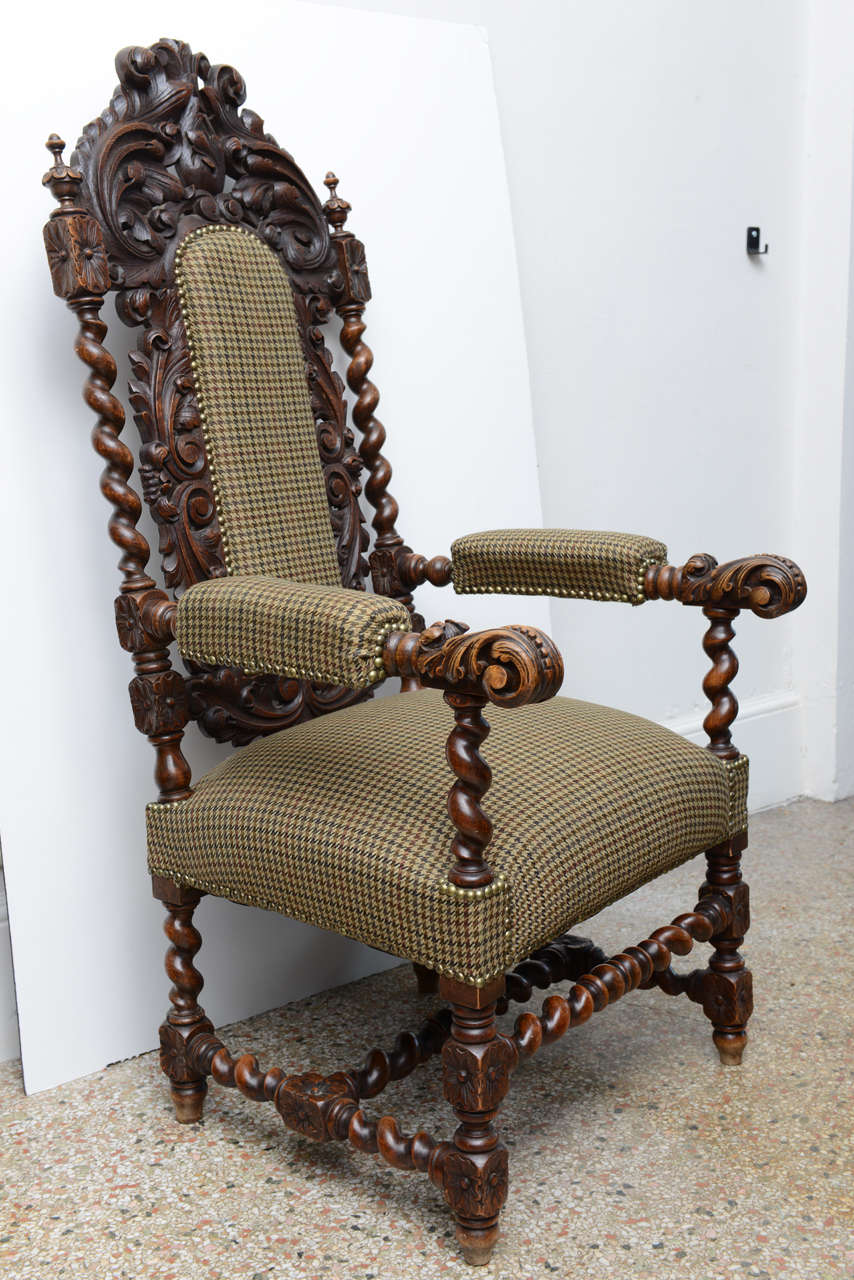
{"x":753,"y":242}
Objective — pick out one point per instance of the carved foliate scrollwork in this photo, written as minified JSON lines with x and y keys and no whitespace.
{"x":165,"y":148}
{"x":767,"y":585}
{"x":173,"y":467}
{"x":512,"y":666}
{"x":175,"y":149}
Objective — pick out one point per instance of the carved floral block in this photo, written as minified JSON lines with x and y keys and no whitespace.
{"x":728,"y":998}
{"x":475,"y":1186}
{"x":354,"y":270}
{"x":132,"y":633}
{"x":738,"y":896}
{"x":174,"y":1060}
{"x":76,"y":257}
{"x":304,"y":1102}
{"x":477,"y":1077}
{"x":159,"y":703}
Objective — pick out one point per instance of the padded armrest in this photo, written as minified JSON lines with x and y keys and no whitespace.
{"x":582,"y":563}
{"x":261,"y":624}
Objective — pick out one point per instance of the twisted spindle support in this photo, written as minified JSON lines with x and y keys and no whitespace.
{"x":327,"y":1107}
{"x":117,"y":457}
{"x":716,"y":685}
{"x":624,"y":972}
{"x":186,"y":1018}
{"x":80,"y":272}
{"x":389,"y":553}
{"x":473,"y":778}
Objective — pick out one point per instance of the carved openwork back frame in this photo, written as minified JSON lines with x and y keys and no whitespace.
{"x":173,"y":151}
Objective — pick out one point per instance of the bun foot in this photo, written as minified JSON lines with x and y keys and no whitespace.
{"x":730,"y":1046}
{"x":476,"y":1246}
{"x":189,"y":1101}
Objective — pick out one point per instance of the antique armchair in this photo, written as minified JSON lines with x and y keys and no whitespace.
{"x":218,"y":250}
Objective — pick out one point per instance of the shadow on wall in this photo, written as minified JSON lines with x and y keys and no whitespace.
{"x":10,"y":1044}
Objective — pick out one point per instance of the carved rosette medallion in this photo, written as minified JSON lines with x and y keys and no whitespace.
{"x":356,"y":287}
{"x":305,"y":1102}
{"x":76,"y":257}
{"x":174,"y":1058}
{"x":159,"y":703}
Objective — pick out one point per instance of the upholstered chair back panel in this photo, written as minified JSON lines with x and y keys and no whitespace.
{"x":260,"y":436}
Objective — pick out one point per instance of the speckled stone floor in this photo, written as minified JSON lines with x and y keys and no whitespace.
{"x":633,"y":1153}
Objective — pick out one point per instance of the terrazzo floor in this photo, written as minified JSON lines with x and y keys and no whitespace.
{"x":633,"y":1153}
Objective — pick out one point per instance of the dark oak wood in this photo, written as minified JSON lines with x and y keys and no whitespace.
{"x":389,"y":550}
{"x":767,"y":585}
{"x":175,"y":150}
{"x":186,"y":1018}
{"x":172,"y":151}
{"x":510,"y":666}
{"x":476,"y":1065}
{"x":426,"y":979}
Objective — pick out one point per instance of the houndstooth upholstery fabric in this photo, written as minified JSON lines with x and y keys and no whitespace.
{"x":341,"y":822}
{"x":583,"y":563}
{"x":260,"y":437}
{"x":328,"y":634}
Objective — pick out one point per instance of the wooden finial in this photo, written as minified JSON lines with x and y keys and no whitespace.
{"x":335,"y":209}
{"x":63,"y":181}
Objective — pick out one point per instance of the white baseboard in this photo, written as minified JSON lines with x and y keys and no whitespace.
{"x":768,"y":730}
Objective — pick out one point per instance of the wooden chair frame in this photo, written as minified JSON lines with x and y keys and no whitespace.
{"x":171,"y":152}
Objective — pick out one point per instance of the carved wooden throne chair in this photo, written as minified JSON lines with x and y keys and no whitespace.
{"x":375,"y":818}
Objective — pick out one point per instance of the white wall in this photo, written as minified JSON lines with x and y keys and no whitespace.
{"x":680,"y":388}
{"x":824,"y":507}
{"x":641,"y":141}
{"x":413,"y":157}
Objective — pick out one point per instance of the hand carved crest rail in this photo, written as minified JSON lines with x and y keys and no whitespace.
{"x":174,"y":150}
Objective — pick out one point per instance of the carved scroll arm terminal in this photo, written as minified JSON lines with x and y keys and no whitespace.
{"x":767,"y":585}
{"x":510,"y":666}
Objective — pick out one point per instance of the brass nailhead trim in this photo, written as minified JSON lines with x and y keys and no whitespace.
{"x":226,"y":891}
{"x":571,"y":593}
{"x":740,"y":765}
{"x":200,"y":399}
{"x":498,"y":885}
{"x":374,"y":675}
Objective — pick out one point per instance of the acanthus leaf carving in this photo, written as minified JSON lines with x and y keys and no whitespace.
{"x":511,"y":665}
{"x":176,"y":148}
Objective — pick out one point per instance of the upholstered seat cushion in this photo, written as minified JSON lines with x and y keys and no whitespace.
{"x":342,"y":822}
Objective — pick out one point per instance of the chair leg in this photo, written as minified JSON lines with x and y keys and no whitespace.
{"x":186,"y":1018}
{"x":427,"y":979}
{"x":727,"y":984}
{"x":476,"y":1066}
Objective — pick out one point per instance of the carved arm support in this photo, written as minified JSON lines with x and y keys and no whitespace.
{"x":510,"y":666}
{"x":767,"y":585}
